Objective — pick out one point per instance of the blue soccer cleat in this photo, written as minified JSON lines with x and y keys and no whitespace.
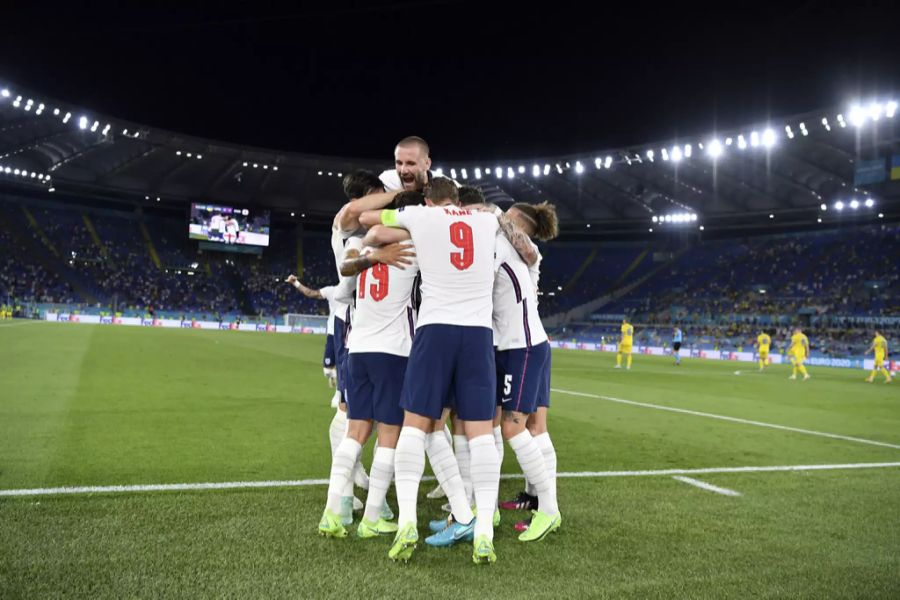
{"x":454,"y":532}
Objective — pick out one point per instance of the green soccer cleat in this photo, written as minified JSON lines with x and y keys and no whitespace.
{"x":369,"y":529}
{"x":496,"y":517}
{"x":541,"y":526}
{"x":330,"y":525}
{"x":404,"y":543}
{"x":483,"y":553}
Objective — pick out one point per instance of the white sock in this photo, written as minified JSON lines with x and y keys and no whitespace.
{"x":445,"y":468}
{"x":549,"y":452}
{"x":464,"y":460}
{"x":337,"y":431}
{"x":341,"y":471}
{"x":498,"y":441}
{"x":382,"y":472}
{"x":529,"y":489}
{"x":448,"y":435}
{"x":409,"y":464}
{"x":531,"y":459}
{"x":485,"y":481}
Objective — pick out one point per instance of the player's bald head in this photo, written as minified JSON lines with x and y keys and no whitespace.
{"x":414,"y":141}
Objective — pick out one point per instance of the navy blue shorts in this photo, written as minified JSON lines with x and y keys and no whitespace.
{"x":544,"y":396}
{"x":522,"y":377}
{"x":451,"y":361}
{"x":329,"y":361}
{"x":376,"y":382}
{"x":340,"y":355}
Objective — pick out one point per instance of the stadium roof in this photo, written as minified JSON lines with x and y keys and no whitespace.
{"x":779,"y":169}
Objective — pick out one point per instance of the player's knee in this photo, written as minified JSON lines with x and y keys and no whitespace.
{"x":512,"y":424}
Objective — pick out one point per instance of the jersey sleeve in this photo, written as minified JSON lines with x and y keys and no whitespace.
{"x":328,"y":292}
{"x":391,"y":180}
{"x":501,"y":250}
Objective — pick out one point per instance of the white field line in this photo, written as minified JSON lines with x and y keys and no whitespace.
{"x":231,"y":485}
{"x":731,"y":419}
{"x":707,"y":486}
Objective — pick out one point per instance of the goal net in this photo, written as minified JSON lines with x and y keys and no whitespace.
{"x":316,"y":323}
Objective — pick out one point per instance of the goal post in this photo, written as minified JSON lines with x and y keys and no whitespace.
{"x":306,"y":321}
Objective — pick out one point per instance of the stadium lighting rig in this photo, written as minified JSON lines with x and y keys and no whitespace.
{"x":675,"y":218}
{"x":853,"y":204}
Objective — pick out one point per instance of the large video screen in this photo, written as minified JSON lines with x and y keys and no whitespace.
{"x":228,"y":225}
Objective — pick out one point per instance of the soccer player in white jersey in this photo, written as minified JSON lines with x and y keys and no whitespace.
{"x":451,"y":353}
{"x":540,"y":222}
{"x":411,"y":163}
{"x":379,"y":342}
{"x":329,"y":362}
{"x":216,"y":226}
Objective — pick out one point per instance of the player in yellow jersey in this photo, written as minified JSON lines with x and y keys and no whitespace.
{"x":799,"y":352}
{"x":763,"y":342}
{"x":880,"y":348}
{"x":625,"y":344}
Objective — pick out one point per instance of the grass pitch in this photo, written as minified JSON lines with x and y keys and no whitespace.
{"x":84,"y":405}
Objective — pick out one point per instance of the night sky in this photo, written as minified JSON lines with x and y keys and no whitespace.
{"x":478,"y":80}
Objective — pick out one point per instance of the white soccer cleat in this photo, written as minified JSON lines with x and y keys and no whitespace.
{"x":805,"y":377}
{"x":618,"y":367}
{"x":437,"y":492}
{"x":792,"y":377}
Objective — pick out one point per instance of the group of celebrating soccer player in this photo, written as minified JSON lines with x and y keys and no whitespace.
{"x":435,"y":319}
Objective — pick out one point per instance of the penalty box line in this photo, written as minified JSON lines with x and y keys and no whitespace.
{"x":235,"y":485}
{"x":684,"y":411}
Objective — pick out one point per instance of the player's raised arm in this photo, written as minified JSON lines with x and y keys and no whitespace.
{"x":306,"y":291}
{"x":379,"y":235}
{"x":395,"y":255}
{"x":348,"y":218}
{"x":518,"y":238}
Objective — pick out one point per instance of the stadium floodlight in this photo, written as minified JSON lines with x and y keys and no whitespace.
{"x":579,"y":168}
{"x":688,"y":150}
{"x":320,"y":172}
{"x":188,"y":154}
{"x":67,"y":117}
{"x":51,"y":190}
{"x":825,"y":124}
{"x":521,"y":169}
{"x":464,"y":173}
{"x":665,"y":154}
{"x":510,"y":173}
{"x":598,"y":163}
{"x":742,"y":143}
{"x":650,"y":155}
{"x":16,"y":172}
{"x":559,"y":168}
{"x":714,"y":149}
{"x":8,"y":170}
{"x":803,"y":129}
{"x":857,"y":115}
{"x":890,"y":109}
{"x":854,"y":204}
{"x":82,"y":122}
{"x":693,"y":216}
{"x":823,"y":206}
{"x":199,"y":157}
{"x":274,"y":167}
{"x":728,"y":141}
{"x":33,"y":174}
{"x":675,"y":154}
{"x":789,"y":132}
{"x":754,"y":138}
{"x":55,"y":112}
{"x":651,"y":230}
{"x":819,"y":220}
{"x":768,"y":137}
{"x":292,"y":214}
{"x":477,"y":172}
{"x":771,"y":216}
{"x":95,"y":126}
{"x":536,"y":171}
{"x":4,"y":92}
{"x":875,"y":109}
{"x":869,"y":203}
{"x":702,"y":228}
{"x":498,"y":171}
{"x":453,"y":173}
{"x":839,"y":205}
{"x":841,"y":121}
{"x":588,"y":225}
{"x":668,"y":218}
{"x":608,"y":162}
{"x":158,"y":198}
{"x":655,"y":219}
{"x":880,"y":215}
{"x":178,"y":153}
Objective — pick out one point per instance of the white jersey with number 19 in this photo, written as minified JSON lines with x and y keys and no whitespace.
{"x":384,"y":319}
{"x":455,"y":250}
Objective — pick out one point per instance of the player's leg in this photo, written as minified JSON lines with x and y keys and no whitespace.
{"x":475,"y":388}
{"x":628,"y":359}
{"x":802,"y":368}
{"x":794,"y":367}
{"x":425,"y":386}
{"x":619,"y":357}
{"x":463,"y":459}
{"x":438,"y":491}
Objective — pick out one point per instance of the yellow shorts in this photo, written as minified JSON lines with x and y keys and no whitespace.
{"x":879,"y":361}
{"x":625,"y":348}
{"x":764,"y":354}
{"x":797,"y":359}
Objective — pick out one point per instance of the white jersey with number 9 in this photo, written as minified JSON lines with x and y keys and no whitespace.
{"x":455,"y":252}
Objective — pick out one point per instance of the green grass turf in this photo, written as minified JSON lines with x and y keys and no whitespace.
{"x":100,"y":405}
